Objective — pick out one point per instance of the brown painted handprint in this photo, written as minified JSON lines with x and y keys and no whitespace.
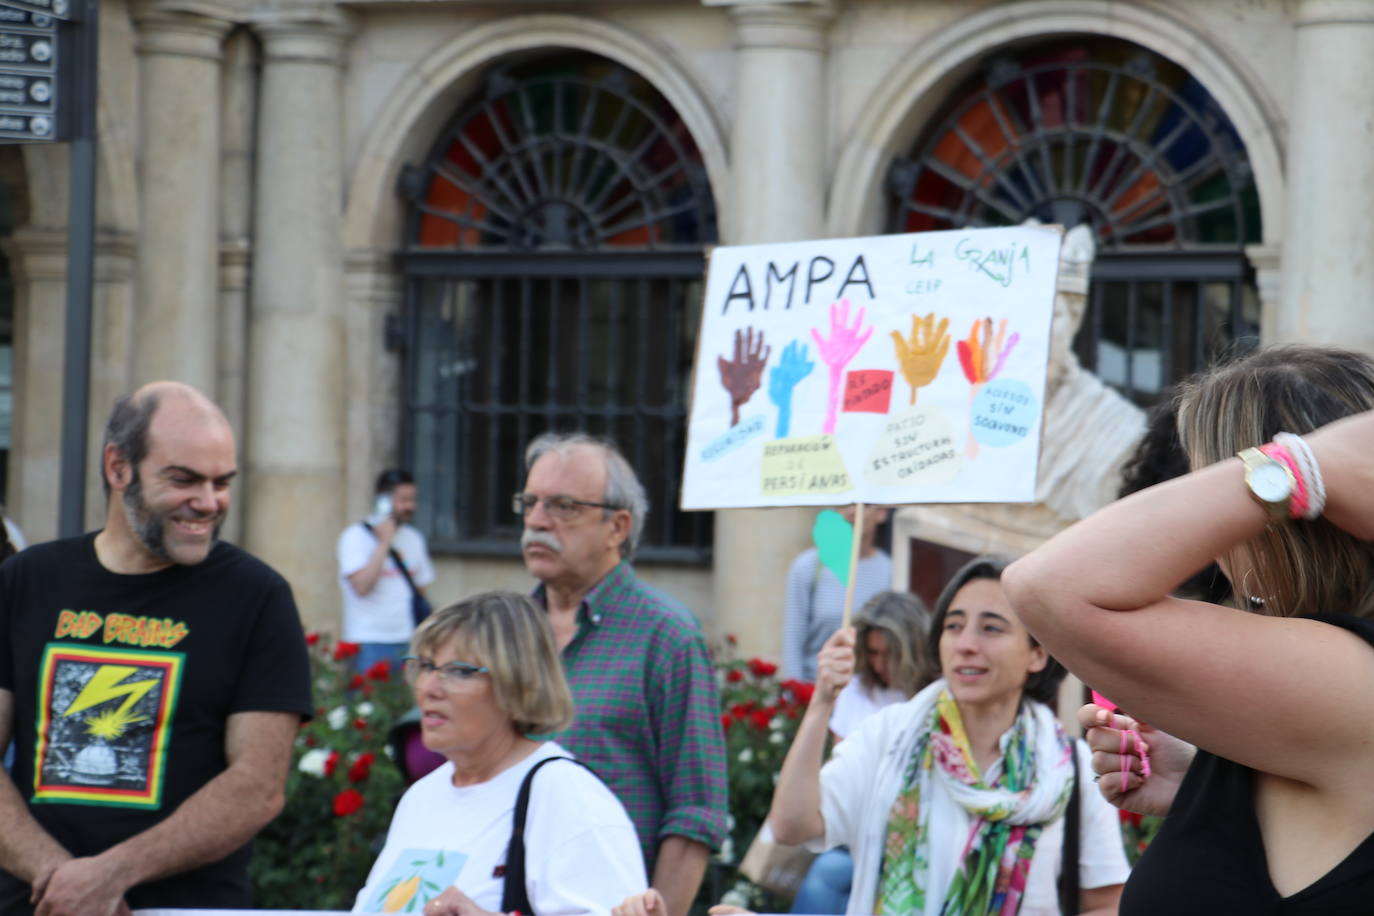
{"x":742,"y":375}
{"x":921,"y":357}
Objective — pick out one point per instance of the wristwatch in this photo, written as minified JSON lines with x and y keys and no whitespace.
{"x":1271,"y":483}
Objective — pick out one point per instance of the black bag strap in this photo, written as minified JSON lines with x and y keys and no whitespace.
{"x":515,"y":898}
{"x":400,"y":564}
{"x":1068,"y":863}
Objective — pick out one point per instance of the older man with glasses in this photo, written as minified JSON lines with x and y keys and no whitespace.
{"x":647,"y":708}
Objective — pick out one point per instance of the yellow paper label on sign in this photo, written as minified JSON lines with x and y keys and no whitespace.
{"x":806,"y":464}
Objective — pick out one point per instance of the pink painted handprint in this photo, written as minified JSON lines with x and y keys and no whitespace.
{"x":837,"y":351}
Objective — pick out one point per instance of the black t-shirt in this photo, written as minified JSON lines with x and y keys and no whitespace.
{"x":122,"y":689}
{"x":1209,"y":856}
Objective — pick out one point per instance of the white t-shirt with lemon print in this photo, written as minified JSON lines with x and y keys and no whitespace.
{"x":581,"y":851}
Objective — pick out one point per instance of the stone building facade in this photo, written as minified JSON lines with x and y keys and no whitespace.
{"x":334,"y":215}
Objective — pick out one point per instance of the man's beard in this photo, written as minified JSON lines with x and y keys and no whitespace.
{"x":148,"y":526}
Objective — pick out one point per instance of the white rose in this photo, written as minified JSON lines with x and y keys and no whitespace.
{"x":338,"y":717}
{"x":312,"y":762}
{"x":746,"y":755}
{"x":365,"y":708}
{"x":775,"y":738}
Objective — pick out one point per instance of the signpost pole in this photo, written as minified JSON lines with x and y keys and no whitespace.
{"x":76,"y":373}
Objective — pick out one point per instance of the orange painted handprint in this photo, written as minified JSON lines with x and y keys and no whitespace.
{"x":921,"y":357}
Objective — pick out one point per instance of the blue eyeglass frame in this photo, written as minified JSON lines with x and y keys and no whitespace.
{"x":459,"y":670}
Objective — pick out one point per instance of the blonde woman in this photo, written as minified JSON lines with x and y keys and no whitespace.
{"x":1274,"y":814}
{"x":487,"y":680}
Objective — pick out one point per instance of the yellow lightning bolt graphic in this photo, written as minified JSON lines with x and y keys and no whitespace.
{"x":104,"y":686}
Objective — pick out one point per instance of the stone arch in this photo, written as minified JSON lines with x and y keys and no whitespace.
{"x":427,"y":96}
{"x":922,"y":82}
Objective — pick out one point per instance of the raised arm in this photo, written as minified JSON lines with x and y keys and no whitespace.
{"x":218,"y":819}
{"x":796,"y":813}
{"x":1097,"y":596}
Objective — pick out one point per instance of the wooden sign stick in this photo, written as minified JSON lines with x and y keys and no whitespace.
{"x":853,"y":563}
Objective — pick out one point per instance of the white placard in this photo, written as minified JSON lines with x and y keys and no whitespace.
{"x":892,"y":369}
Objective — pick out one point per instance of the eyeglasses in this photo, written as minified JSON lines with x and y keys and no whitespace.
{"x":563,"y":508}
{"x":450,"y":673}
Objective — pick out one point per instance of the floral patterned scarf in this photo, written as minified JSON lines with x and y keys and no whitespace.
{"x":1008,"y":816}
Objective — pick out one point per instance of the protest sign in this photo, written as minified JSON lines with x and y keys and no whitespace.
{"x":891,"y":369}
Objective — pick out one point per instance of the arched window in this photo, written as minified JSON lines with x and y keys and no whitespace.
{"x":553,"y":264}
{"x":1103,"y":132}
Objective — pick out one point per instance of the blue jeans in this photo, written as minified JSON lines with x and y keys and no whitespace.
{"x":369,"y":653}
{"x":825,"y":889}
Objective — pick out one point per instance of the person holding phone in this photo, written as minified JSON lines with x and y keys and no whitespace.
{"x":377,"y":598}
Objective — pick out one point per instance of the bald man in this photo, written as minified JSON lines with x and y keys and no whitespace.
{"x":153,"y":678}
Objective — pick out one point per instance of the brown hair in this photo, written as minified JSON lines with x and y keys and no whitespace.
{"x":903,"y":620}
{"x":1302,"y":567}
{"x":1042,"y":685}
{"x":512,"y":637}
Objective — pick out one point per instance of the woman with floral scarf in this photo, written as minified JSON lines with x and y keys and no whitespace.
{"x":953,"y":803}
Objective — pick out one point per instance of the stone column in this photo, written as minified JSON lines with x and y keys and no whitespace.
{"x":239,"y":99}
{"x":112,"y":346}
{"x":179,"y":148}
{"x":1328,"y":239}
{"x":295,"y":430}
{"x":373,"y":392}
{"x":38,"y":263}
{"x":778,"y":142}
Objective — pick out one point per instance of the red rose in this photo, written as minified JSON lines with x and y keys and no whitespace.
{"x":345,"y":650}
{"x":360,"y":723}
{"x":311,"y":638}
{"x":734,"y":675}
{"x":347,"y":802}
{"x":760,"y":718}
{"x":362,"y":767}
{"x":331,"y":762}
{"x":740,"y":711}
{"x":356,"y":682}
{"x":761,"y":668}
{"x":380,"y":670}
{"x":1129,"y":817}
{"x":310,"y":741}
{"x":800,"y":690}
{"x":730,"y":638}
{"x":725,"y":721}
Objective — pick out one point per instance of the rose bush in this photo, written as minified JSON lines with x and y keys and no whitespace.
{"x":760,"y":713}
{"x":342,"y":789}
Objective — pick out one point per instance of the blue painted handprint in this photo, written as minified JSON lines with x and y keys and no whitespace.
{"x":784,"y":377}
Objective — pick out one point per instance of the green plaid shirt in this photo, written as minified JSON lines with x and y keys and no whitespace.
{"x":647,"y":710}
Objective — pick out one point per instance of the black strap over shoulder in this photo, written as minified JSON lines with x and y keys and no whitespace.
{"x":396,"y":558}
{"x":1068,"y":863}
{"x":515,"y":896}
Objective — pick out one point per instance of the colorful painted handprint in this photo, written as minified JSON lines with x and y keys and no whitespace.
{"x":982,"y":360}
{"x":783,"y":378}
{"x":742,"y":375}
{"x":921,"y":357}
{"x":837,"y":350}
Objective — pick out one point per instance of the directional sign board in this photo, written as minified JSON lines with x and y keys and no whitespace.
{"x":30,"y":51}
{"x":62,"y":9}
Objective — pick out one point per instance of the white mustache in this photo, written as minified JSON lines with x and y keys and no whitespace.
{"x":543,"y":538}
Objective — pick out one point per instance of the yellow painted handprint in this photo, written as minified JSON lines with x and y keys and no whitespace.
{"x":922,"y":356}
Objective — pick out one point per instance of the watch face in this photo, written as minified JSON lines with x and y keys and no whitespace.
{"x":1270,"y":483}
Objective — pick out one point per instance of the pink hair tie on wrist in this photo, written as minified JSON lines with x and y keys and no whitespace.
{"x":1297,"y":507}
{"x":1311,"y":474}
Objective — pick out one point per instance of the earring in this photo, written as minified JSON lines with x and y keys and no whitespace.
{"x":1253,"y":602}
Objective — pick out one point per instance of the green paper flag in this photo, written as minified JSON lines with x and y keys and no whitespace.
{"x":834,"y":537}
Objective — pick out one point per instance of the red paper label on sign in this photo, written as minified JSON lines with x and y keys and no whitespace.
{"x":868,"y":391}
